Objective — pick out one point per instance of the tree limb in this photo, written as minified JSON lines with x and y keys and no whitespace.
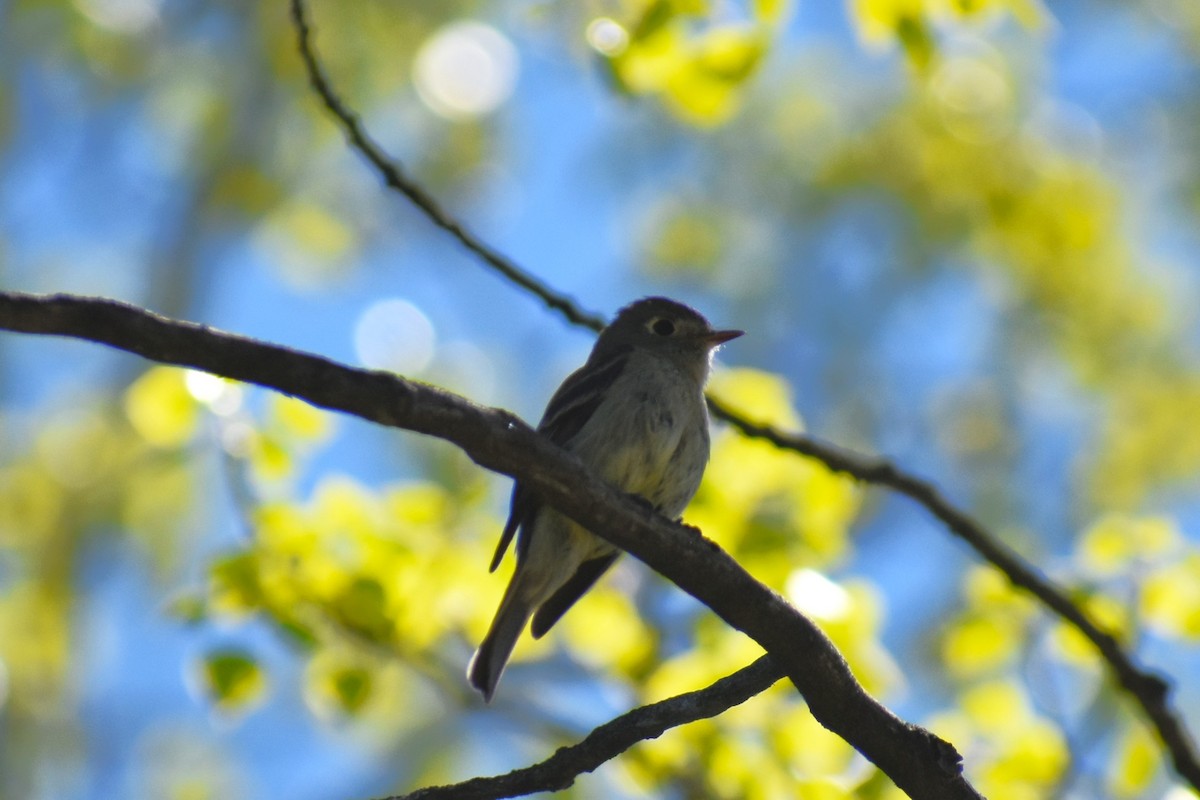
{"x":1149,"y":690}
{"x":921,"y":764}
{"x":612,"y":738}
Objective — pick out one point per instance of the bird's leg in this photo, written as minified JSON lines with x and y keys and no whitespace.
{"x":644,"y":503}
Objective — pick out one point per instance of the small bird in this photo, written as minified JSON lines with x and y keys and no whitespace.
{"x":635,"y":414}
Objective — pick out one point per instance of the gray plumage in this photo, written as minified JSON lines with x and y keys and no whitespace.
{"x":635,"y":414}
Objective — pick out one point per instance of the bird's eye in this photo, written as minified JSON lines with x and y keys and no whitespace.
{"x":663,"y":327}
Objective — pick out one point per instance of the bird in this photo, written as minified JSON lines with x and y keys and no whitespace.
{"x":635,"y":414}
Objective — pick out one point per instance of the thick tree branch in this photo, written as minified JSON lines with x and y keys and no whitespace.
{"x":918,"y":762}
{"x":613,"y":738}
{"x":1149,"y":690}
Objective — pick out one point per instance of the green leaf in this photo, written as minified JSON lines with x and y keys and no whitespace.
{"x":232,"y":679}
{"x":233,"y":585}
{"x":191,"y":609}
{"x":352,"y":687}
{"x":363,"y":606}
{"x":914,"y":34}
{"x":299,"y":633}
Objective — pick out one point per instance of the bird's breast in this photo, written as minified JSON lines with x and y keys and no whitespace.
{"x":649,"y":437}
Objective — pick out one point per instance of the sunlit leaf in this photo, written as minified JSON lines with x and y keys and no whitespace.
{"x":246,"y":189}
{"x":1073,"y":646}
{"x":997,"y":707}
{"x":188,"y":608}
{"x":807,"y":747}
{"x":989,"y":590}
{"x":914,"y":34}
{"x":156,"y":500}
{"x":299,"y":633}
{"x":1115,"y":541}
{"x":1135,"y":763}
{"x":1036,"y":755}
{"x":31,"y":503}
{"x":234,"y":587}
{"x":1170,"y":598}
{"x":706,"y":87}
{"x":362,"y":606}
{"x":699,"y":74}
{"x":718,"y":652}
{"x":312,"y":230}
{"x":269,"y":457}
{"x":296,"y":418}
{"x":339,"y":686}
{"x":160,"y":408}
{"x":759,"y":396}
{"x":772,"y":11}
{"x":231,"y":679}
{"x":979,"y":644}
{"x":418,"y":504}
{"x":605,"y":632}
{"x":684,"y":240}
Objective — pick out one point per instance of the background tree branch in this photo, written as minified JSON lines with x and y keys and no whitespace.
{"x":921,"y":764}
{"x":395,"y":178}
{"x":613,"y":738}
{"x":1149,"y":690}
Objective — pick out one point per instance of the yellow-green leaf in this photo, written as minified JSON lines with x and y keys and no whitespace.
{"x":297,"y":419}
{"x":1135,"y":762}
{"x":234,"y":587}
{"x":362,"y":606}
{"x":160,"y":408}
{"x":979,"y":644}
{"x":232,"y":679}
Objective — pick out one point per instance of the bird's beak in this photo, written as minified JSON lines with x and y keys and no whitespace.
{"x":720,"y":337}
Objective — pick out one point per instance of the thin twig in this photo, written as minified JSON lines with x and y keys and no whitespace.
{"x":1149,"y":690}
{"x":393,"y":175}
{"x":612,"y":738}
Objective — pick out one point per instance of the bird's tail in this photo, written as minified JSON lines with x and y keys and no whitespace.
{"x":490,"y":659}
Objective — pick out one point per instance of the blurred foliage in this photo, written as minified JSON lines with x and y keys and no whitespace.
{"x":676,"y":51}
{"x":58,"y":502}
{"x":914,"y":24}
{"x":231,"y":679}
{"x":1134,"y":577}
{"x":1049,"y":223}
{"x":378,"y":592}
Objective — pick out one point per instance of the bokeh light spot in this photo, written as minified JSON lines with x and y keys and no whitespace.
{"x":221,"y":395}
{"x":466,"y":368}
{"x":817,"y":596}
{"x":121,"y":16}
{"x":607,"y":36}
{"x":465,"y":70}
{"x":394,"y":335}
{"x":971,"y":85}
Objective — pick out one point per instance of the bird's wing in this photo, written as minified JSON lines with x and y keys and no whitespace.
{"x":561,"y":601}
{"x":520,"y":508}
{"x":567,"y":412}
{"x":580,"y":395}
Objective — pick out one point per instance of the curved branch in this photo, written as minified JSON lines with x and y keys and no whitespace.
{"x":394,"y":177}
{"x":921,"y":764}
{"x":1151,"y":691}
{"x":612,"y":738}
